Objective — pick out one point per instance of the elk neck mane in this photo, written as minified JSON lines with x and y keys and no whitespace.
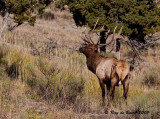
{"x":94,"y":59}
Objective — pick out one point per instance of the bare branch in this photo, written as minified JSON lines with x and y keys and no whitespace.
{"x":5,"y":20}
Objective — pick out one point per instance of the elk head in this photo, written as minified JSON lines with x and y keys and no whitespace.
{"x":90,"y":48}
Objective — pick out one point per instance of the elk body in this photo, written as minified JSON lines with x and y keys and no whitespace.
{"x":109,"y":71}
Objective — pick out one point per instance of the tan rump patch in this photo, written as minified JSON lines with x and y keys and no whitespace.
{"x":120,"y":82}
{"x":122,"y":69}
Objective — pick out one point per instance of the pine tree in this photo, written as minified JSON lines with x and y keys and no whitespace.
{"x":22,"y":11}
{"x":138,"y":17}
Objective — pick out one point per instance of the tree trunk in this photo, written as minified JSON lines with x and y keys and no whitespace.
{"x":102,"y":41}
{"x":118,"y":47}
{"x":5,"y":20}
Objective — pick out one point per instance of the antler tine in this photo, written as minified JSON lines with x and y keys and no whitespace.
{"x":87,"y":37}
{"x":95,"y":24}
{"x":114,"y":33}
{"x":119,"y":34}
{"x":92,"y":31}
{"x":90,"y":39}
{"x":115,"y":29}
{"x":120,"y":31}
{"x":100,"y":30}
{"x":84,"y":38}
{"x":113,"y":38}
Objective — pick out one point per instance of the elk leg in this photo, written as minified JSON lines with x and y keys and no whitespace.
{"x":103,"y":91}
{"x":125,"y":87}
{"x":108,"y":92}
{"x":113,"y":84}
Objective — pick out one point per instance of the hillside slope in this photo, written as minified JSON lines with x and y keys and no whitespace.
{"x":57,"y":84}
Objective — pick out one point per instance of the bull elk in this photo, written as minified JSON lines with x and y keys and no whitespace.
{"x":109,"y":70}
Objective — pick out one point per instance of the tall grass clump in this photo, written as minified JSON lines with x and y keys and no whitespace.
{"x":148,"y":76}
{"x":14,"y":61}
{"x":57,"y":84}
{"x":151,"y":78}
{"x":53,"y":83}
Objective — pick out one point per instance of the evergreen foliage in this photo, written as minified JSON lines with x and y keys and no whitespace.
{"x":138,"y":17}
{"x":23,"y":10}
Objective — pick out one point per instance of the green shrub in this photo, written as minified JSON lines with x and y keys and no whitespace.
{"x":61,"y":3}
{"x":151,"y":78}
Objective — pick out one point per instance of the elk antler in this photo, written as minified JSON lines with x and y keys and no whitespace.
{"x":87,"y":38}
{"x":119,"y":34}
{"x":114,"y":36}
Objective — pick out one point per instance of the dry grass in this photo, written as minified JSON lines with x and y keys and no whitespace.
{"x":63,"y":32}
{"x":35,"y":87}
